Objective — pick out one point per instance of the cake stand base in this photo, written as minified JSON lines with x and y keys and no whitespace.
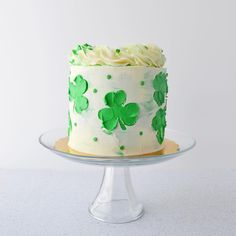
{"x":116,"y":201}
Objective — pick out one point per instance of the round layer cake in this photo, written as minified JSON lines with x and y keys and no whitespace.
{"x":117,"y":100}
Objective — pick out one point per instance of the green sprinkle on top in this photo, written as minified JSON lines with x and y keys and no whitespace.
{"x":86,"y":45}
{"x":117,"y":50}
{"x":109,"y":76}
{"x":95,"y":139}
{"x":95,"y":90}
{"x":75,"y":124}
{"x":146,"y":46}
{"x":122,"y":147}
{"x":141,"y":133}
{"x":142,"y":83}
{"x":74,"y":52}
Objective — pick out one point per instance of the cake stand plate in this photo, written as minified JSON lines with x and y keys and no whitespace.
{"x":116,"y":201}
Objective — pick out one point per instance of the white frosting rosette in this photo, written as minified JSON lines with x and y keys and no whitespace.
{"x":133,"y":55}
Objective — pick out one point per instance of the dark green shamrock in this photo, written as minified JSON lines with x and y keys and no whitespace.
{"x":76,"y":90}
{"x":117,"y":112}
{"x":161,"y":88}
{"x":159,"y":124}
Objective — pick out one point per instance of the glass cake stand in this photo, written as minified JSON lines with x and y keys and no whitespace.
{"x":116,"y":201}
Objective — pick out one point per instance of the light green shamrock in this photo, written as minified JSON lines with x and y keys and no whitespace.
{"x":117,"y":112}
{"x":76,"y":90}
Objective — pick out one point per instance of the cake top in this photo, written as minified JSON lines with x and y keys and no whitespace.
{"x":134,"y":55}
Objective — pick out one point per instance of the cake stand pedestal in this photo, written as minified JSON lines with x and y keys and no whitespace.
{"x":116,"y":201}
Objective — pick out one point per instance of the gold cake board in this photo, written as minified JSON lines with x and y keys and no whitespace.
{"x":170,"y":147}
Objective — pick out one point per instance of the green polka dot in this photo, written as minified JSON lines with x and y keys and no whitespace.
{"x":109,"y":76}
{"x":95,"y":139}
{"x":75,"y":124}
{"x":117,"y":50}
{"x":122,"y":147}
{"x":95,"y":90}
{"x":141,"y":133}
{"x":142,"y":83}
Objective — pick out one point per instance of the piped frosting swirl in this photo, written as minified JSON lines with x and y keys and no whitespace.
{"x":133,"y":55}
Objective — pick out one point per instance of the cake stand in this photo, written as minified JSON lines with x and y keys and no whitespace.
{"x":116,"y":201}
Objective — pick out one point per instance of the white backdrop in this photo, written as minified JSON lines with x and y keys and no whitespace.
{"x":198,"y":38}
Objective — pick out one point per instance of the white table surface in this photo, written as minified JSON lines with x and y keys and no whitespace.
{"x":54,"y":203}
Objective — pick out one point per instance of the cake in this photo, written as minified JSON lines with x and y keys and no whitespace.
{"x":117,"y":100}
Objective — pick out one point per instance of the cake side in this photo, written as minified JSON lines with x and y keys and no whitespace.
{"x":117,"y":110}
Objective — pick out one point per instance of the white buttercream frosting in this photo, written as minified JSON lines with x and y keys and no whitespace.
{"x":86,"y":125}
{"x":133,"y":55}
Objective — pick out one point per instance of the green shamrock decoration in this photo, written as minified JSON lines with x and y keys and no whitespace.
{"x":159,"y":124}
{"x":76,"y":90}
{"x":117,"y":112}
{"x":161,"y":88}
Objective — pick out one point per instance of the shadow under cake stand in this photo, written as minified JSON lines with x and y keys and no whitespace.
{"x":116,"y":201}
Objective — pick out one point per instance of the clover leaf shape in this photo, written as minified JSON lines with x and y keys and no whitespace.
{"x":159,"y":124}
{"x":76,"y":90}
{"x":117,"y":112}
{"x":161,"y":88}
